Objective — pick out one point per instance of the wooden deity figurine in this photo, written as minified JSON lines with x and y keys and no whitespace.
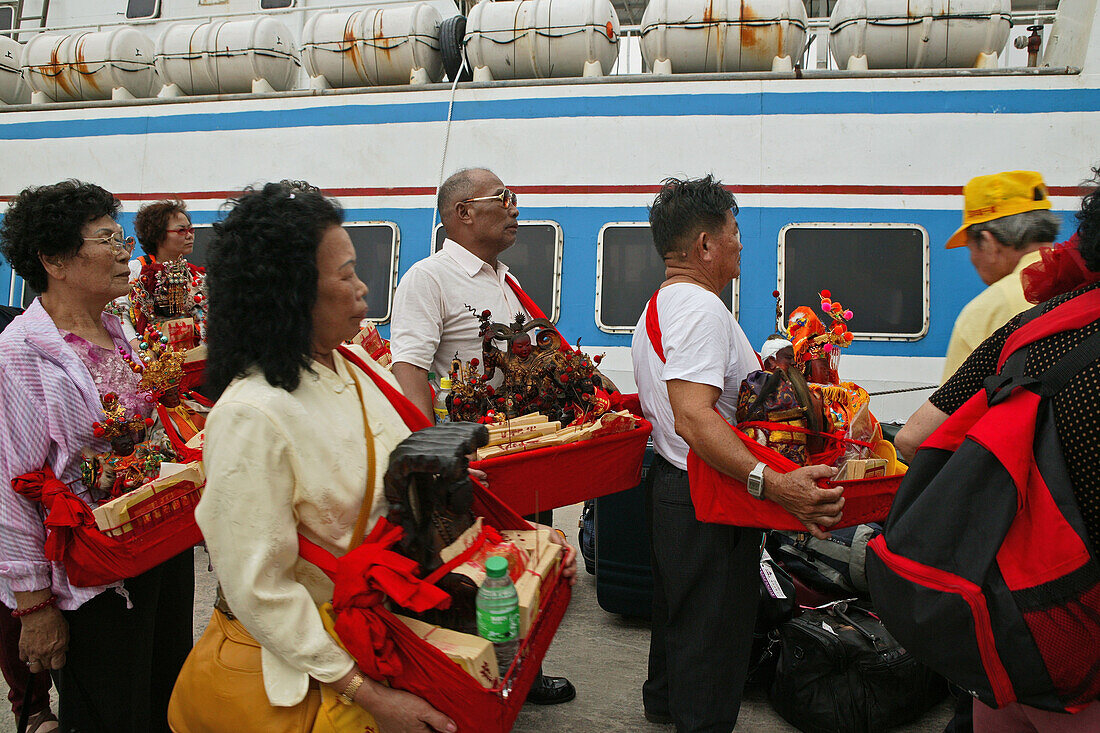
{"x":539,"y":375}
{"x":132,"y":461}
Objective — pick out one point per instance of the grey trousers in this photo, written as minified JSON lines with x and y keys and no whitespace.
{"x":705,"y":595}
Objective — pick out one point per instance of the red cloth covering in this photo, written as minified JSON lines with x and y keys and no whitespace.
{"x":722,"y":499}
{"x":168,"y":420}
{"x":94,"y":558}
{"x":547,"y":478}
{"x":1060,"y":270}
{"x":389,"y":651}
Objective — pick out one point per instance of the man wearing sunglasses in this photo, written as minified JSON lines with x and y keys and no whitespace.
{"x":431,"y":322}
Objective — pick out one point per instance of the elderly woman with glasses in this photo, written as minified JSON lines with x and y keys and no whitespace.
{"x":114,"y":651}
{"x":166,"y":290}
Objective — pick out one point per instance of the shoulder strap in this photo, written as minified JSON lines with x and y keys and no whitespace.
{"x":533,"y":309}
{"x":1035,"y":325}
{"x":410,"y":413}
{"x":653,"y":327}
{"x":1073,"y":313}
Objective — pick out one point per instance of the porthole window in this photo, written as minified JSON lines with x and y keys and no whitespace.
{"x":535,"y":260}
{"x":628,"y":272}
{"x":879,"y":271}
{"x":142,"y":9}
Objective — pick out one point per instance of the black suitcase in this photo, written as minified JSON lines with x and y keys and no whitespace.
{"x":840,"y":671}
{"x":624,"y":576}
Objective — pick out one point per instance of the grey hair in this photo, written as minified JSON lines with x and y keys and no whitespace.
{"x":1020,"y":230}
{"x":458,"y":186}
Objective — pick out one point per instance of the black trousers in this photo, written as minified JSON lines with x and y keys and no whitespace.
{"x":122,"y":662}
{"x":705,"y":594}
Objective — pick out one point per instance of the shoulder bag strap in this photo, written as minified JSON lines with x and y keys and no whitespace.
{"x":653,"y":327}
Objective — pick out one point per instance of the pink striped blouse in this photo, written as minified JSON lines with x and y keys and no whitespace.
{"x":48,"y":402}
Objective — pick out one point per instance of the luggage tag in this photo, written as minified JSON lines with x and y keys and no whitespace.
{"x":775,"y":590}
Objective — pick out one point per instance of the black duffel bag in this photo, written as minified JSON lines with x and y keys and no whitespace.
{"x":840,"y":671}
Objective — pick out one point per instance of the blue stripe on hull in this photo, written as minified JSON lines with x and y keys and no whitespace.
{"x":1019,"y":101}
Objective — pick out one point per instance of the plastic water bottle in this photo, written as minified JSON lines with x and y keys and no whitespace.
{"x":441,"y":413}
{"x":498,"y":612}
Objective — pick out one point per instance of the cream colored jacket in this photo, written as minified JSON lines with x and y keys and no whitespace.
{"x":279,"y":463}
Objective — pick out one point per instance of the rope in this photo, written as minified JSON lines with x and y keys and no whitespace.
{"x":446,"y":144}
{"x":907,"y":389}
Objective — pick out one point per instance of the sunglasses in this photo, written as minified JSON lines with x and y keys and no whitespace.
{"x":182,"y":231}
{"x":506,"y":198}
{"x":118,"y":242}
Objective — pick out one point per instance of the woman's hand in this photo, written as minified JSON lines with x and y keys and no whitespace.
{"x":569,"y":555}
{"x":45,"y":635}
{"x":397,"y":711}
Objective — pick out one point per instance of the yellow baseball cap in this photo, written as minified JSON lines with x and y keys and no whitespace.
{"x":986,"y":198}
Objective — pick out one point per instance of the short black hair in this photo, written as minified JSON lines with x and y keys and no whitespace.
{"x":1088,"y":223}
{"x":151,"y":223}
{"x":47,"y":220}
{"x":262,"y":276}
{"x":685,"y":207}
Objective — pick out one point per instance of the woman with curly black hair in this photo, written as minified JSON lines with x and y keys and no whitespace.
{"x":114,"y":651}
{"x":288,"y":450}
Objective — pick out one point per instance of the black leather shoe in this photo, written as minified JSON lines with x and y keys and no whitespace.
{"x":551,"y":691}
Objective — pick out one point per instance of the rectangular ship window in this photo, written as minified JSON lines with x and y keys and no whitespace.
{"x":204,"y":234}
{"x":535,"y":260}
{"x":275,"y":4}
{"x":377,"y":244}
{"x":7,"y":20}
{"x":628,"y":272}
{"x":142,"y":9}
{"x":879,"y":271}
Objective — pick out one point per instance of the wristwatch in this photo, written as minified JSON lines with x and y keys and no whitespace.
{"x":347,"y":695}
{"x":755,"y":483}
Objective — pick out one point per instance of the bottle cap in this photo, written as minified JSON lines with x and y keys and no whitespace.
{"x":496,"y":566}
{"x":444,"y":383}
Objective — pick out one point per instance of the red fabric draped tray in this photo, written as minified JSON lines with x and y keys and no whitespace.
{"x":722,"y":499}
{"x":386,"y":649}
{"x":547,"y":478}
{"x":163,"y":527}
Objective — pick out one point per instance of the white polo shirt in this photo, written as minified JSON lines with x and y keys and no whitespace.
{"x":703,"y":343}
{"x":431,"y":322}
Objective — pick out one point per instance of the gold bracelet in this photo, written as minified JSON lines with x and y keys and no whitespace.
{"x":347,"y":695}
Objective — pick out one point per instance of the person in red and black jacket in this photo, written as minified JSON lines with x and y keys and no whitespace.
{"x":1065,"y":271}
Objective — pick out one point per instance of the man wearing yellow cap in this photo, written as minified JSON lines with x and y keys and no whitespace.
{"x":1006,"y":220}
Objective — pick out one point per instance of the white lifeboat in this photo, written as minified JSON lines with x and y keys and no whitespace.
{"x":373,"y":46}
{"x":918,"y":34}
{"x":694,"y":36}
{"x":227,"y":57}
{"x":539,"y":39}
{"x":114,"y":64}
{"x":13,"y":90}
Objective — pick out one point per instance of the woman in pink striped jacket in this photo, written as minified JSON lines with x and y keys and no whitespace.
{"x":114,"y":651}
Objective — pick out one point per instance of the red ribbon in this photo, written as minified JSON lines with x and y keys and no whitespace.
{"x":1061,"y":269}
{"x":66,"y":510}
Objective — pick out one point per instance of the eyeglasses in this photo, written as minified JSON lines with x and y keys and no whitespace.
{"x":506,"y":198}
{"x":182,"y":231}
{"x":117,"y":242}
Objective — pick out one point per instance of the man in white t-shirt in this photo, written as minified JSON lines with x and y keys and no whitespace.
{"x":432,"y":322}
{"x":690,"y":356}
